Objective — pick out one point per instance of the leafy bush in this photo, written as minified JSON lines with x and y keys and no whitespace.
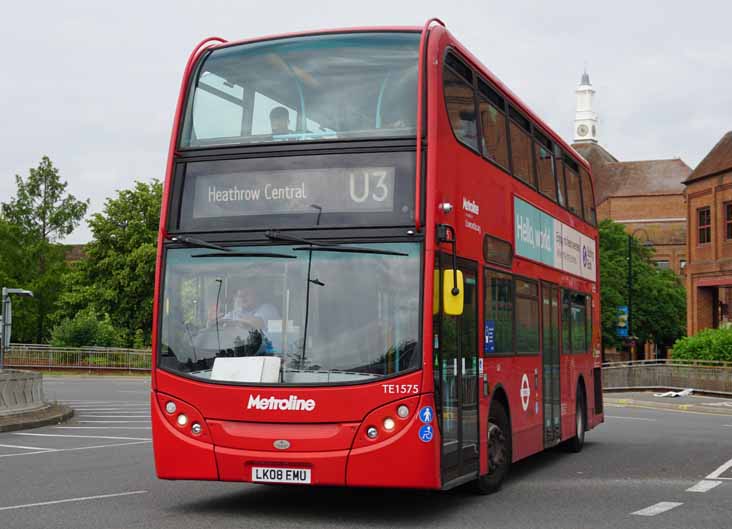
{"x":85,"y":329}
{"x":709,"y":344}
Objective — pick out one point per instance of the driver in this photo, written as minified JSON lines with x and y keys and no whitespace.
{"x":246,"y":309}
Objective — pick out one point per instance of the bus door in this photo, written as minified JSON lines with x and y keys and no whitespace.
{"x":456,"y":370}
{"x":550,"y":364}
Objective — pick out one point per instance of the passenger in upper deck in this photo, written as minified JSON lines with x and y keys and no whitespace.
{"x":279,"y":119}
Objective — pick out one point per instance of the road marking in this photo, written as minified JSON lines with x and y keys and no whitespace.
{"x":117,"y":416}
{"x":658,"y":508}
{"x":101,"y":428}
{"x":85,"y":436}
{"x":68,"y":500}
{"x":631,"y":418}
{"x":673,"y":410}
{"x":74,"y":449}
{"x":721,"y":470}
{"x":28,"y":447}
{"x":703,"y":486}
{"x":110,"y":422}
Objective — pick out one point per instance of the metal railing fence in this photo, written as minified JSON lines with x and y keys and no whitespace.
{"x":669,"y":362}
{"x":40,"y":356}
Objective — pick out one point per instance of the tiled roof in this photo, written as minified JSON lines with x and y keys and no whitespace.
{"x":646,"y":177}
{"x":717,"y":160}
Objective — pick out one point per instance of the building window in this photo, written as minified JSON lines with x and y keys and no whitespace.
{"x":704,"y":223}
{"x":728,"y":220}
{"x":682,"y":264}
{"x":663,"y":264}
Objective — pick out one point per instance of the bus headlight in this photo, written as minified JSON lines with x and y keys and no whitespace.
{"x":182,"y":419}
{"x":372,"y":432}
{"x":170,"y":407}
{"x":389,"y":424}
{"x":403,"y":411}
{"x":196,"y":428}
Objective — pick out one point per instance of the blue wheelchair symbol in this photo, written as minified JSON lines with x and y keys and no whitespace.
{"x":426,"y":414}
{"x":425,"y":433}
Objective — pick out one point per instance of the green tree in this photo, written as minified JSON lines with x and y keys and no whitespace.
{"x":85,"y":329}
{"x":118,"y":274}
{"x":659,"y":298}
{"x":41,"y":214}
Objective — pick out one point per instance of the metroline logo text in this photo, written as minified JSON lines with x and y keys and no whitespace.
{"x":291,"y":403}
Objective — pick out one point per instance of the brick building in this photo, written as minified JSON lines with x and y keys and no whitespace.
{"x":709,"y":210}
{"x":647,"y":196}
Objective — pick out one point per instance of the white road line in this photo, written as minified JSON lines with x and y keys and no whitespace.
{"x":101,"y":428}
{"x":28,"y":447}
{"x":631,"y":418}
{"x":116,"y":416}
{"x":704,"y":486}
{"x":83,"y":498}
{"x":85,"y":436}
{"x":721,"y":470}
{"x":74,"y":449}
{"x":111,"y":422}
{"x":658,"y":508}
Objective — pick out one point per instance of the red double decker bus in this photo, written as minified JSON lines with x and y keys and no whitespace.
{"x":376,"y":267}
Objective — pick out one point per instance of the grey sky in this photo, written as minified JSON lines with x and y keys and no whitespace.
{"x":93,"y":84}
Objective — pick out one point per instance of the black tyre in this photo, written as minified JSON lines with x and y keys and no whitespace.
{"x":576,"y":443}
{"x":499,"y":450}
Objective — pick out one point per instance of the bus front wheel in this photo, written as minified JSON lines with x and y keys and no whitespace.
{"x":499,"y":450}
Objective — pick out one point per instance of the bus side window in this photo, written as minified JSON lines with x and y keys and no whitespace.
{"x":521,"y":147}
{"x":561,"y":184}
{"x":588,"y":197}
{"x":460,"y":102}
{"x":499,"y":304}
{"x":493,"y":125}
{"x":545,"y":166}
{"x":574,"y":197}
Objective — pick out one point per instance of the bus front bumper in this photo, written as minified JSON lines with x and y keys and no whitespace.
{"x":336,"y":455}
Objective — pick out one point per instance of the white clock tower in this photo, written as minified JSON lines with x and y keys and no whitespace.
{"x":585,"y":121}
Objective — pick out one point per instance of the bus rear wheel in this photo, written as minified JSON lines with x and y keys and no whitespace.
{"x":499,"y":450}
{"x":576,"y":443}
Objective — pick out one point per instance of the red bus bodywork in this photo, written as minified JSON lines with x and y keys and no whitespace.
{"x":331,"y":440}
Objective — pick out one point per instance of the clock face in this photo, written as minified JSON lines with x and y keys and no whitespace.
{"x":582,"y":130}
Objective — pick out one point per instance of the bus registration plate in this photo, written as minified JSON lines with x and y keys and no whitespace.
{"x":281,"y":475}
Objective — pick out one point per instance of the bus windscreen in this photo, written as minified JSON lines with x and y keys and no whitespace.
{"x":295,"y":314}
{"x":314,"y":88}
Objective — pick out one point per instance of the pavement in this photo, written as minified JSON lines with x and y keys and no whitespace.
{"x":646,"y":467}
{"x":49,"y":414}
{"x":652,"y":399}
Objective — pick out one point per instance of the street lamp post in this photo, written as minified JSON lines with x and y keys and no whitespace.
{"x":7,"y":318}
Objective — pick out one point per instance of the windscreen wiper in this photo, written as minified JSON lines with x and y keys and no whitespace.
{"x":347,"y":249}
{"x":198,"y":243}
{"x":246,"y":254}
{"x":325,"y":246}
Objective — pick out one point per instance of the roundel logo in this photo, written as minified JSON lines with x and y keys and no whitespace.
{"x":525,"y":392}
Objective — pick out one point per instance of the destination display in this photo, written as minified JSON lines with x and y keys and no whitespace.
{"x":547,"y":240}
{"x":354,"y":189}
{"x":364,"y":189}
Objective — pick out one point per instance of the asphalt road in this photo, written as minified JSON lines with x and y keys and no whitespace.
{"x":97,"y":472}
